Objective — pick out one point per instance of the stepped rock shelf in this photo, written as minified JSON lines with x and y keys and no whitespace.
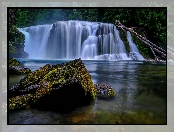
{"x":60,"y":87}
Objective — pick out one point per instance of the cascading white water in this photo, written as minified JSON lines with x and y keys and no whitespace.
{"x":89,"y":46}
{"x":27,"y":47}
{"x":36,"y":38}
{"x":112,"y":46}
{"x":74,"y":39}
{"x":134,"y":52}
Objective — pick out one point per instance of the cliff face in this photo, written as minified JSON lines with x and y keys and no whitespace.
{"x":16,"y":39}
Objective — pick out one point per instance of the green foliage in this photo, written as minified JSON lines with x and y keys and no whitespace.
{"x":155,"y":21}
{"x":26,"y":17}
{"x":143,"y":48}
{"x":15,"y":38}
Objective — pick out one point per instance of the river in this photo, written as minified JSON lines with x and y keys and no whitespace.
{"x":141,"y":95}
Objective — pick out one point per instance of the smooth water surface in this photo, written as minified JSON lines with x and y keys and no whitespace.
{"x":140,"y":98}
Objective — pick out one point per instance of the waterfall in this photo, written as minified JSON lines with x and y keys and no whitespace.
{"x":134,"y":52}
{"x":36,"y":38}
{"x":112,"y":47}
{"x":75,"y":39}
{"x":89,"y":46}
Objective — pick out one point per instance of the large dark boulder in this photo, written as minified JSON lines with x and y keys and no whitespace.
{"x":61,"y":87}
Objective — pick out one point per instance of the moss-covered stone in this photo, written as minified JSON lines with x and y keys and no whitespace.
{"x":35,"y":76}
{"x":67,"y":83}
{"x":60,"y":87}
{"x":104,"y":90}
{"x":16,"y":69}
{"x":13,"y":62}
{"x":19,"y":101}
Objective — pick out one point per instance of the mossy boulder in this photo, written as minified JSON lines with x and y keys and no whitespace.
{"x":60,"y":87}
{"x":13,"y":62}
{"x":104,"y":90}
{"x":16,"y":69}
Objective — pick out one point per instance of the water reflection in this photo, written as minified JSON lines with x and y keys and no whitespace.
{"x":140,"y":95}
{"x":132,"y":81}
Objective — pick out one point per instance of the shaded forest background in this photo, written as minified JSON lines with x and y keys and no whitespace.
{"x":149,"y":22}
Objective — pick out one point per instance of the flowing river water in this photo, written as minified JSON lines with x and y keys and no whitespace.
{"x":141,"y":95}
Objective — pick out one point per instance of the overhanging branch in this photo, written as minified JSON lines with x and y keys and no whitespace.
{"x":152,"y":46}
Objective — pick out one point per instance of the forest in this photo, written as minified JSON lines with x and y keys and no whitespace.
{"x":152,"y":22}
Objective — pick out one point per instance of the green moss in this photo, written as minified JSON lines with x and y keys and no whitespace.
{"x":111,"y":92}
{"x":19,"y":101}
{"x":13,"y":62}
{"x":56,"y":77}
{"x":48,"y":76}
{"x":35,"y":76}
{"x":51,"y":78}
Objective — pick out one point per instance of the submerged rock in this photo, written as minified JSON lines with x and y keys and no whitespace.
{"x":13,"y":62}
{"x":104,"y":90}
{"x":15,"y":68}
